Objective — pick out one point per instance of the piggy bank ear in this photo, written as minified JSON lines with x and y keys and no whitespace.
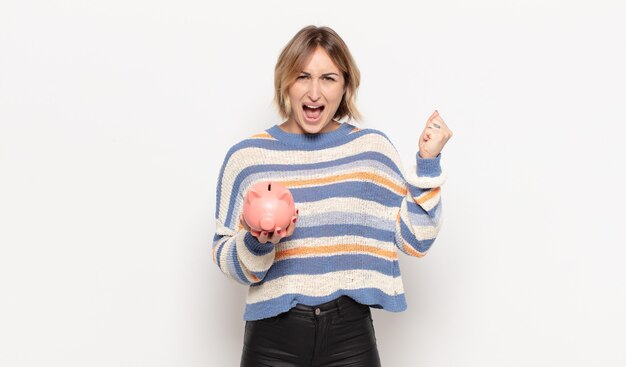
{"x":285,"y":197}
{"x":252,"y":195}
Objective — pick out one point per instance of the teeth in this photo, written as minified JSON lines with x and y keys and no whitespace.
{"x":313,"y":107}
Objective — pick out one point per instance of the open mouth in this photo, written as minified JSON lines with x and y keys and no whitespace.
{"x":312,"y":112}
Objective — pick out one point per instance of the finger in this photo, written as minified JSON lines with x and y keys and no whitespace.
{"x":274,"y":238}
{"x":439,"y":120}
{"x":263,"y":237}
{"x":432,"y":116}
{"x":289,"y":230}
{"x":290,"y":227}
{"x":436,"y":135}
{"x":277,"y":235}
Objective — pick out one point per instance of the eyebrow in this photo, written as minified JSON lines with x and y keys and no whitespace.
{"x":325,"y":74}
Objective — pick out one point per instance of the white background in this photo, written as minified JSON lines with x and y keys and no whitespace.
{"x":115,"y":117}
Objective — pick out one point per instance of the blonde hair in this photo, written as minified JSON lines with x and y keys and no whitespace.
{"x":295,"y":55}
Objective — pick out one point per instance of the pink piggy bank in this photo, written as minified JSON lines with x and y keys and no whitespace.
{"x":268,"y":206}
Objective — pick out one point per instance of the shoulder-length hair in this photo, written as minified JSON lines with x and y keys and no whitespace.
{"x":295,"y":55}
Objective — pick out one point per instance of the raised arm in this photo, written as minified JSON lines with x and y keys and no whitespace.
{"x":419,"y":217}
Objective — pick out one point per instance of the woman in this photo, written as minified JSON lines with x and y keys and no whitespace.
{"x":311,"y":285}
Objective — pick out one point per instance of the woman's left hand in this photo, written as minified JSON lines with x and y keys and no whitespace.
{"x":435,"y":135}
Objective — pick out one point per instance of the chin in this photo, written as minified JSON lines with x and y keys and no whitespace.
{"x":311,"y":128}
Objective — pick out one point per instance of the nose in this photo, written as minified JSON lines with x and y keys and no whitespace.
{"x":314,"y":90}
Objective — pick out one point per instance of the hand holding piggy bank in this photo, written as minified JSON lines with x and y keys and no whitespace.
{"x":269,"y":212}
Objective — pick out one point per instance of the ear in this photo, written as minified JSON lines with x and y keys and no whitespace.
{"x":252,"y":195}
{"x":285,"y":197}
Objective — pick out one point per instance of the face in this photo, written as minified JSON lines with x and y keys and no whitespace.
{"x":315,"y":96}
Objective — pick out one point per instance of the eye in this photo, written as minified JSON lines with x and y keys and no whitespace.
{"x":330,"y":78}
{"x":302,"y":76}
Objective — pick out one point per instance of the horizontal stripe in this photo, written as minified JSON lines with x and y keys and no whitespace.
{"x":354,"y":206}
{"x":263,"y":136}
{"x":254,"y":247}
{"x":313,"y":266}
{"x":422,"y":218}
{"x":341,"y":230}
{"x":420,"y":244}
{"x":289,"y":243}
{"x":425,"y":182}
{"x":356,"y":176}
{"x":336,"y":217}
{"x":258,"y":260}
{"x":409,"y":250}
{"x":432,"y":202}
{"x":330,"y":250}
{"x":427,"y":196}
{"x":417,"y":209}
{"x":361,"y":190}
{"x":320,"y":285}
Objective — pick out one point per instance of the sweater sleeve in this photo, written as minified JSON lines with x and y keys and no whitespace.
{"x":237,"y":253}
{"x":419,"y":218}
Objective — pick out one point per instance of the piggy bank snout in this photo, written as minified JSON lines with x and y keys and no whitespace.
{"x":267,"y":223}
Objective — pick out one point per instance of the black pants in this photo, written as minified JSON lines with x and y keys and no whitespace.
{"x":336,"y":333}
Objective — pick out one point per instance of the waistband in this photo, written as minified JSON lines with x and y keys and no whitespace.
{"x":337,"y":304}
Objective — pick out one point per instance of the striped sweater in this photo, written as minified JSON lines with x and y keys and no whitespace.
{"x":356,"y":209}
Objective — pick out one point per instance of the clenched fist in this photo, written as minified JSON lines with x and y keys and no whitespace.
{"x":435,"y":135}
